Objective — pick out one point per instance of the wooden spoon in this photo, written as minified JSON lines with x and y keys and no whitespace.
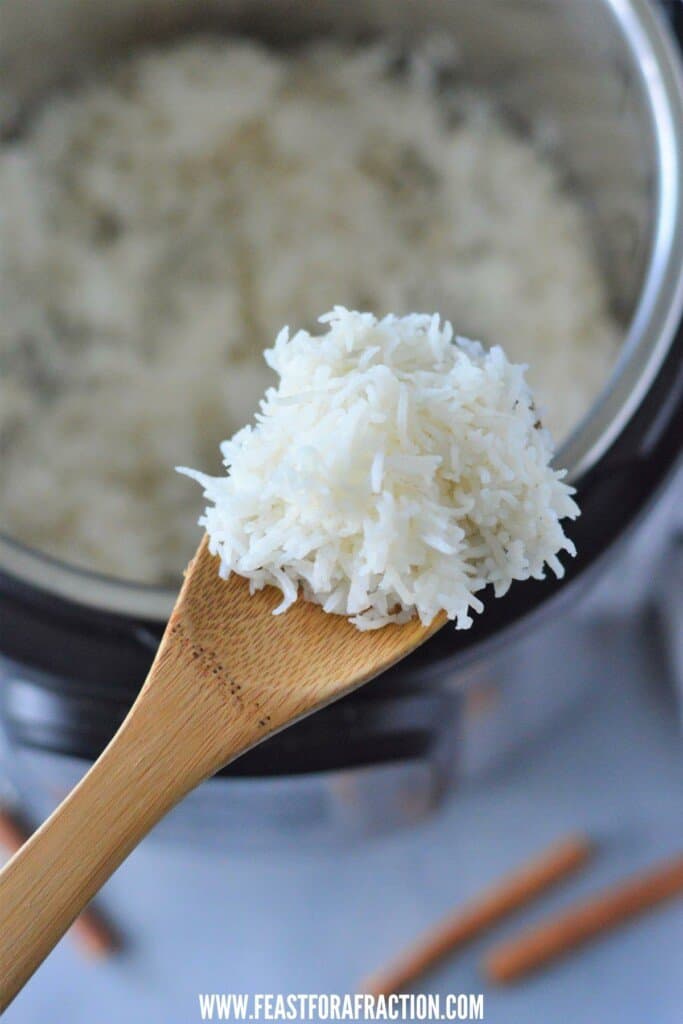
{"x":227,"y":674}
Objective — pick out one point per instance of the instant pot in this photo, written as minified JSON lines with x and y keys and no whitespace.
{"x":604,"y":81}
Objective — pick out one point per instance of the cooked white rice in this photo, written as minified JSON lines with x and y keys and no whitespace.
{"x":161,"y":222}
{"x":392,"y":472}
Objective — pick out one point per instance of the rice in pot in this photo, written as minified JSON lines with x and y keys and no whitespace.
{"x":160,"y":223}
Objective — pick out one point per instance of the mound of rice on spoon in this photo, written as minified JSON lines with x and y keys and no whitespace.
{"x":395,"y":471}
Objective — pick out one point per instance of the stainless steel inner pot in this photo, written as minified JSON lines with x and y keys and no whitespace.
{"x":601,"y":78}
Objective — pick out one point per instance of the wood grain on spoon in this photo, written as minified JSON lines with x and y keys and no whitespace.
{"x":227,"y":674}
{"x":93,"y":931}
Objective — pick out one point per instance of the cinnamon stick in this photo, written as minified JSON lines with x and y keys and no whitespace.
{"x":94,"y":934}
{"x":464,"y":924}
{"x":535,"y":947}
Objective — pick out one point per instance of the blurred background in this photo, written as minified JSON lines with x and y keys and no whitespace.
{"x":178,"y":181}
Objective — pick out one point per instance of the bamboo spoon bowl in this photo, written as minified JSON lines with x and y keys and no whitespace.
{"x":227,"y":675}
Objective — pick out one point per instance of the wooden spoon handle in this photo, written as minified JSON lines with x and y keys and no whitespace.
{"x":180,"y":731}
{"x":56,"y":873}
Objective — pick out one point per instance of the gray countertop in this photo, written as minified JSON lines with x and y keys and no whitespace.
{"x":300,"y":921}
